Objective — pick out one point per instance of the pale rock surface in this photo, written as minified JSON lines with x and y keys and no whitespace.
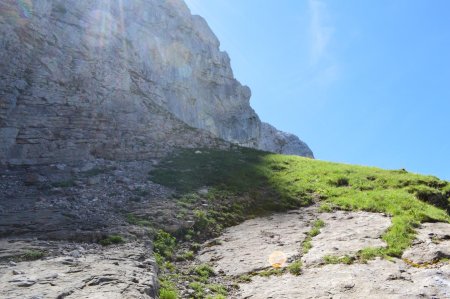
{"x":117,"y":80}
{"x":276,"y":141}
{"x":345,"y":233}
{"x":376,"y":279}
{"x":246,"y":247}
{"x":432,"y":242}
{"x":125,"y":271}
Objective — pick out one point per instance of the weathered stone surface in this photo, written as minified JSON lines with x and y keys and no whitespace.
{"x":117,"y":80}
{"x":82,"y":79}
{"x":345,"y":233}
{"x":432,"y":243}
{"x":246,"y":247}
{"x":125,"y":271}
{"x":276,"y":141}
{"x":376,"y":279}
{"x":70,"y":204}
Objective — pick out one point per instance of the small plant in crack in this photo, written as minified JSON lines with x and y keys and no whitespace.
{"x":315,"y":230}
{"x":295,"y":268}
{"x":329,"y":259}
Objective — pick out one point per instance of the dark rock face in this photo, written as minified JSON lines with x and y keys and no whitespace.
{"x":116,"y":80}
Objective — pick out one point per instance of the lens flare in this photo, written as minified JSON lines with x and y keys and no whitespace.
{"x":277,"y":259}
{"x":17,"y":11}
{"x":25,"y":8}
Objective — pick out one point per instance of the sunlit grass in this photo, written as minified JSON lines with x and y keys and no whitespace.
{"x":271,"y":182}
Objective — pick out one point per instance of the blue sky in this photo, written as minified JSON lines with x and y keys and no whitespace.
{"x":362,"y":82}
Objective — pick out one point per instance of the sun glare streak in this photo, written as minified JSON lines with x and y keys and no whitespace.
{"x":25,"y":7}
{"x":19,"y":11}
{"x":122,"y":31}
{"x":102,"y":26}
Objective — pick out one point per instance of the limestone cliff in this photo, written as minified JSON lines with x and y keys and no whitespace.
{"x":276,"y":141}
{"x":118,"y":80}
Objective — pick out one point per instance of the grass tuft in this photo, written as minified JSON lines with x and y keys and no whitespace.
{"x":110,"y":240}
{"x":164,"y":244}
{"x":32,"y":255}
{"x":167,"y":289}
{"x":167,"y":294}
{"x":295,"y":268}
{"x":329,"y":259}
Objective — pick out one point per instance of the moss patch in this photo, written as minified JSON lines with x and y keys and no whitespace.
{"x":110,"y":240}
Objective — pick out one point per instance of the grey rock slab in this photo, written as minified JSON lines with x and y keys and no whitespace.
{"x":432,"y":242}
{"x":273,"y":140}
{"x":376,"y":279}
{"x":345,"y":233}
{"x":108,"y":272}
{"x":246,"y":247}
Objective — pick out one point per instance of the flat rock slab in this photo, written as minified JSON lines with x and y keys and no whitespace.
{"x":432,"y":243}
{"x":246,"y":247}
{"x":376,"y":279}
{"x":345,"y":233}
{"x":124,"y":271}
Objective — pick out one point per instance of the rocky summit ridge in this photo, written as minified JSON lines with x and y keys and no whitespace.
{"x":119,"y":80}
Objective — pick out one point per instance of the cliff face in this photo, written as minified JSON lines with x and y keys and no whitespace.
{"x":118,"y":80}
{"x":276,"y":141}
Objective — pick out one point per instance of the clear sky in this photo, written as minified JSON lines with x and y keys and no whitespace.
{"x":362,"y":82}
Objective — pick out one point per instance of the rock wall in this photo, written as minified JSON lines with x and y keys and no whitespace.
{"x":117,"y":80}
{"x":276,"y":141}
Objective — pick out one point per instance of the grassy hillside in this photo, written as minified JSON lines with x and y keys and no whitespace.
{"x":244,"y":183}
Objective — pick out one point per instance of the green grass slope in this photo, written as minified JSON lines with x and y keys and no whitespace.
{"x":244,"y":183}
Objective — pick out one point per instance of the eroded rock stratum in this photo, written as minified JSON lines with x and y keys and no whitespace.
{"x":79,"y":271}
{"x":119,"y":80}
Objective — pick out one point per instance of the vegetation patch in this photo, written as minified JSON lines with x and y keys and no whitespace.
{"x":198,"y":277}
{"x":436,"y":197}
{"x":245,"y":278}
{"x":164,"y":244}
{"x":167,"y":289}
{"x":325,"y":208}
{"x":167,"y":294}
{"x":295,"y":268}
{"x":32,"y":255}
{"x":135,"y":220}
{"x":201,"y":290}
{"x":243,"y":183}
{"x":110,"y":240}
{"x":186,"y":256}
{"x":315,"y":230}
{"x":330,"y":259}
{"x":260,"y":182}
{"x":270,"y":272}
{"x":340,"y":182}
{"x":203,"y":272}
